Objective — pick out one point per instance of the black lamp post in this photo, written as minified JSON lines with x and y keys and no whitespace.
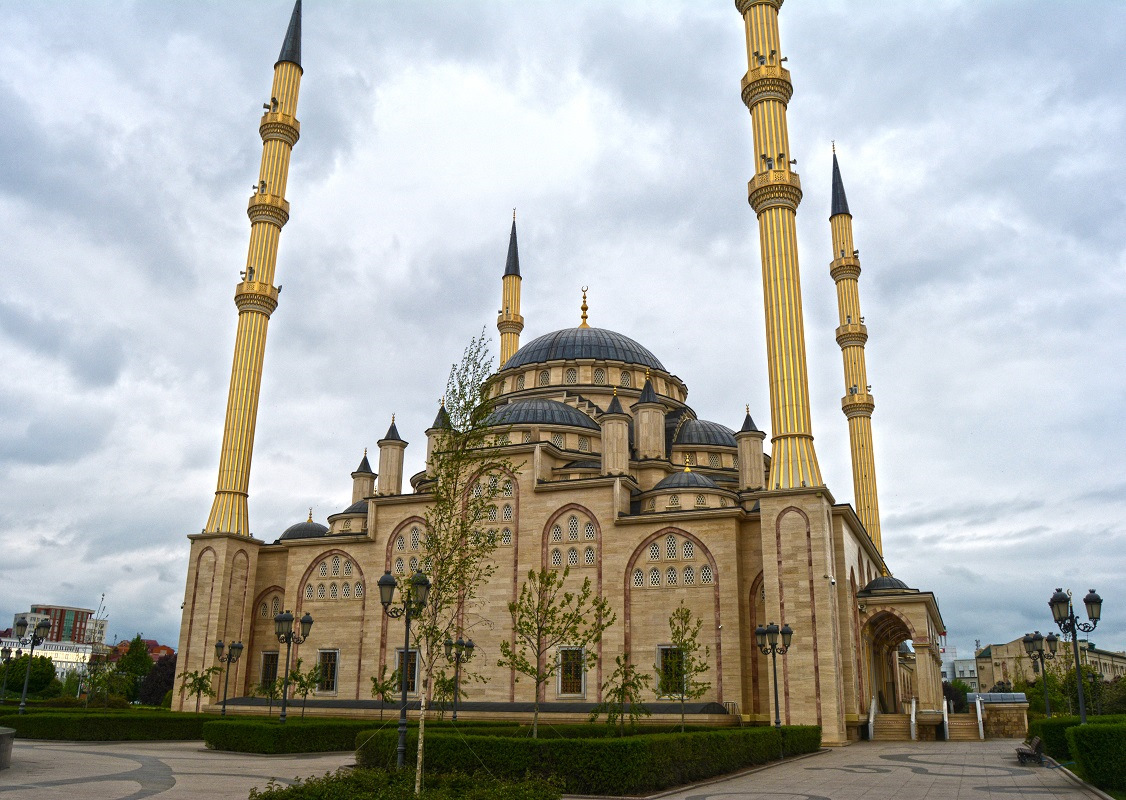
{"x":6,"y":656}
{"x":767,"y":639}
{"x":1064,"y":614}
{"x":1034,"y":646}
{"x":283,"y":628}
{"x":38,"y":636}
{"x":234,"y":650}
{"x":411,"y":602}
{"x":458,"y":653}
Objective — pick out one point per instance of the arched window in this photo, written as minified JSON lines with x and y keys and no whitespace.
{"x":652,"y":504}
{"x":347,"y":567}
{"x":308,"y":596}
{"x":600,"y":376}
{"x":654,"y":552}
{"x":346,"y":591}
{"x":689,"y":549}
{"x":333,"y":592}
{"x":336,"y":566}
{"x":275,"y":606}
{"x":705,"y":574}
{"x":625,"y":379}
{"x":573,"y":528}
{"x":527,"y":436}
{"x":638,"y":578}
{"x":427,"y":565}
{"x":588,"y":556}
{"x":506,"y":536}
{"x":556,"y":533}
{"x":359,"y":590}
{"x":506,"y":514}
{"x":674,"y":500}
{"x":508,"y":488}
{"x":266,"y":608}
{"x":701,"y":500}
{"x":400,"y":543}
{"x":713,"y":460}
{"x":477,"y":490}
{"x":670,"y":547}
{"x":571,"y":376}
{"x":557,"y":440}
{"x":589,"y":530}
{"x":323,"y":569}
{"x":572,"y":557}
{"x":320,"y":591}
{"x":654,"y":577}
{"x":735,"y":462}
{"x":584,"y":444}
{"x":556,"y":558}
{"x":689,"y":576}
{"x":416,"y":537}
{"x":399,"y":567}
{"x":519,"y":382}
{"x":414,"y":564}
{"x":492,"y":513}
{"x":545,"y":377}
{"x":670,"y":576}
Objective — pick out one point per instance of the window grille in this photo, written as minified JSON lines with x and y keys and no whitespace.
{"x":689,"y":459}
{"x":670,"y":576}
{"x":584,"y":444}
{"x":493,"y":484}
{"x":266,"y":608}
{"x":427,"y":565}
{"x":670,"y":672}
{"x":723,"y":502}
{"x":557,"y":440}
{"x":327,"y":659}
{"x":735,"y":462}
{"x":519,"y":382}
{"x":556,"y":533}
{"x":347,"y":567}
{"x":670,"y":547}
{"x":689,"y":576}
{"x":400,"y":543}
{"x":701,"y":500}
{"x":332,"y":591}
{"x":556,"y":558}
{"x":308,"y":596}
{"x":414,"y":564}
{"x":588,"y":556}
{"x":336,"y":566}
{"x":411,"y":670}
{"x":653,"y":504}
{"x":688,"y":549}
{"x":705,"y":574}
{"x":347,"y":525}
{"x":359,"y":590}
{"x":416,"y":538}
{"x":346,"y":591}
{"x":545,"y":377}
{"x":654,"y":577}
{"x":506,"y":536}
{"x":654,"y":551}
{"x":508,"y":488}
{"x":625,"y":379}
{"x":572,"y":557}
{"x":506,"y":514}
{"x":572,"y":375}
{"x":589,"y":530}
{"x":573,"y":528}
{"x":275,"y":606}
{"x":399,"y":568}
{"x":527,"y":436}
{"x":638,"y":578}
{"x":320,"y":591}
{"x":713,"y":460}
{"x":323,"y":569}
{"x":600,"y":376}
{"x":492,"y":512}
{"x":501,"y":439}
{"x":674,"y":500}
{"x":572,"y":667}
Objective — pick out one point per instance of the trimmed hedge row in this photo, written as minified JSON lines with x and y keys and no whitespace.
{"x":377,"y":785}
{"x":312,"y":735}
{"x":1100,"y":751}
{"x":1053,"y":732}
{"x":611,"y":765}
{"x":112,"y":727}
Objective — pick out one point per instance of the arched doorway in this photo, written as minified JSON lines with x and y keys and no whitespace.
{"x":890,"y":667}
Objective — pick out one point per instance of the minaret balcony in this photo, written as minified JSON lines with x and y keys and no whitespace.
{"x":853,"y":333}
{"x":256,"y":296}
{"x":766,"y":82}
{"x":774,"y":187}
{"x":858,"y":405}
{"x":276,"y":125}
{"x":268,"y":208}
{"x":844,"y":267}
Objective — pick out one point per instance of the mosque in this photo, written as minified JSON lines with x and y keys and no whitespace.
{"x":620,"y":482}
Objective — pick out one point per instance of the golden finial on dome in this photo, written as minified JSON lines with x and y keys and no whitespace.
{"x":365,"y":452}
{"x":442,"y":402}
{"x":392,"y":419}
{"x":310,"y":513}
{"x":687,"y":460}
{"x":834,"y":143}
{"x":748,"y":408}
{"x":584,"y":309}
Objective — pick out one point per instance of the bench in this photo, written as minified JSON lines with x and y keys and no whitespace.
{"x":1031,"y":752}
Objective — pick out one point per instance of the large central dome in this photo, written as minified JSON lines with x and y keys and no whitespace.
{"x":574,"y":343}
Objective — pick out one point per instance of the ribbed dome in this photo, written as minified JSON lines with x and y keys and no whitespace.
{"x":571,"y":343}
{"x":540,"y":412}
{"x":700,"y":431}
{"x":885,"y":583}
{"x":360,"y":506}
{"x":687,"y":480}
{"x":304,"y":530}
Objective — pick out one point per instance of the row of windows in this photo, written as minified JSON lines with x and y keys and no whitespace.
{"x":272,"y":610}
{"x":674,"y":502}
{"x":671,"y":577}
{"x":494,"y":487}
{"x":573,"y":530}
{"x":416,"y":540}
{"x":589,"y":557}
{"x":336,"y":566}
{"x":687,"y":549}
{"x":328,"y":661}
{"x":505,"y":513}
{"x":401,"y":567}
{"x":504,"y":537}
{"x":333,"y":592}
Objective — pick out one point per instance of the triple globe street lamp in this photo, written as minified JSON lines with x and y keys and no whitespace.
{"x":411,"y":602}
{"x":1034,"y":646}
{"x":1063,"y":611}
{"x":767,"y":640}
{"x":38,"y":636}
{"x":457,"y":653}
{"x":283,"y":629}
{"x":234,"y":650}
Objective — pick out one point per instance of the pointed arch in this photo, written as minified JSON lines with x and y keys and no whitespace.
{"x":357,"y":575}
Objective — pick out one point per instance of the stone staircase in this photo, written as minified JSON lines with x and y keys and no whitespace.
{"x":963,"y":728}
{"x":892,"y":728}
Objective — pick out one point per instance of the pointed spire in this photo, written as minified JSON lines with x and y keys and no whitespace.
{"x":648,"y":393}
{"x":365,"y":467}
{"x":512,"y":266}
{"x":393,"y":432}
{"x":840,"y":202}
{"x":615,"y":406}
{"x":584,"y":308}
{"x":749,"y":424}
{"x":291,"y":47}
{"x":442,"y":421}
{"x":310,"y":507}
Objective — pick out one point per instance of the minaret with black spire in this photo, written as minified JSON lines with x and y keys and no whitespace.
{"x":857,"y":402}
{"x":509,"y":322}
{"x":256,"y":296}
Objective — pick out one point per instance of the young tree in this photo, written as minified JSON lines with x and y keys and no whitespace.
{"x":384,"y":686}
{"x":304,"y":682}
{"x":134,"y":666}
{"x":42,"y":673}
{"x":683,"y":663}
{"x":198,"y":683}
{"x":161,"y":678}
{"x":622,"y":695}
{"x":271,"y":690}
{"x":465,"y":477}
{"x":545,"y":617}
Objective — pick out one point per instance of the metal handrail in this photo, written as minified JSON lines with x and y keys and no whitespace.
{"x":913,"y":725}
{"x":980,"y":717}
{"x":872,"y":719}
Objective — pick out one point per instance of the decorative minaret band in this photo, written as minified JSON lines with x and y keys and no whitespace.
{"x":857,"y":403}
{"x":510,"y":323}
{"x":774,"y":193}
{"x":256,"y":296}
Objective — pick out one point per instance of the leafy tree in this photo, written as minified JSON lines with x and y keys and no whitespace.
{"x":304,"y":682}
{"x":271,"y":690}
{"x":385,"y":686}
{"x":198,"y":684}
{"x":71,"y":684}
{"x":160,"y":680}
{"x":1114,"y":700}
{"x":677,"y":674}
{"x":622,"y":695}
{"x":544,"y":618}
{"x":42,"y":673}
{"x":134,"y":665}
{"x":444,"y":691}
{"x":956,"y":693}
{"x":457,"y":553}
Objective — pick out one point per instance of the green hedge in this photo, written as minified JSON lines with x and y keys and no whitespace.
{"x":93,"y":727}
{"x":1053,"y":732}
{"x":310,"y":735}
{"x":1100,"y":751}
{"x":609,"y":765}
{"x":378,"y":785}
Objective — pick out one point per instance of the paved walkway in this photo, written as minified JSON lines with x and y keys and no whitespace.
{"x":865,"y":771}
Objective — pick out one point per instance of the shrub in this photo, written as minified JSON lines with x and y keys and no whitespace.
{"x":607,"y":765}
{"x":111,"y":727}
{"x":400,"y":786}
{"x":1100,"y":751}
{"x":271,"y":736}
{"x":1053,"y":732}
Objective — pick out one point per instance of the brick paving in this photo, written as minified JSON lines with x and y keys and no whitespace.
{"x":865,"y":771}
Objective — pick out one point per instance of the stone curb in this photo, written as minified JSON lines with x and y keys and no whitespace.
{"x":1071,"y":776}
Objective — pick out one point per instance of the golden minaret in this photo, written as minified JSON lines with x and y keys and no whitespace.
{"x":857,"y":403}
{"x":256,"y":296}
{"x":510,"y":323}
{"x":774,"y":193}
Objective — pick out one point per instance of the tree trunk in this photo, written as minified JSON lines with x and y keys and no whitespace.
{"x":421,"y":737}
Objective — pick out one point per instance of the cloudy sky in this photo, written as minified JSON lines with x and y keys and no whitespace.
{"x":981,"y":147}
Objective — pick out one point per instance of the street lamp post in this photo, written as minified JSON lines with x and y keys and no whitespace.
{"x":283,"y":629}
{"x":411,"y":604}
{"x":6,"y":656}
{"x":234,"y":650}
{"x":1064,"y":614}
{"x":458,"y":653}
{"x":38,"y":636}
{"x":767,"y":639}
{"x":1034,"y":646}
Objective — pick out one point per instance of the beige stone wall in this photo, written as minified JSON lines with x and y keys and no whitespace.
{"x":1006,"y":720}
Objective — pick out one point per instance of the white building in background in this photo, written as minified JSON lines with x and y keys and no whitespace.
{"x":66,"y":656}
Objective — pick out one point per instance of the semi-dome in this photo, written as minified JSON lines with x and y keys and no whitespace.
{"x":687,"y":480}
{"x":574,"y":343}
{"x":701,"y":431}
{"x":885,"y":583}
{"x":538,"y":411}
{"x":304,"y":530}
{"x":358,"y":507}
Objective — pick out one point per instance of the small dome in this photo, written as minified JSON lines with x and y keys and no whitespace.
{"x":572,"y":343}
{"x":541,"y":412}
{"x":687,"y":480}
{"x":885,"y":583}
{"x":359,"y":507}
{"x":700,"y":431}
{"x":583,"y":465}
{"x":304,"y":530}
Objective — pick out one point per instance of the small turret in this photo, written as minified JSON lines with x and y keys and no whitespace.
{"x":391,"y":450}
{"x":615,"y":438}
{"x":649,"y":417}
{"x":363,"y":480}
{"x":435,"y":433}
{"x":749,"y":441}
